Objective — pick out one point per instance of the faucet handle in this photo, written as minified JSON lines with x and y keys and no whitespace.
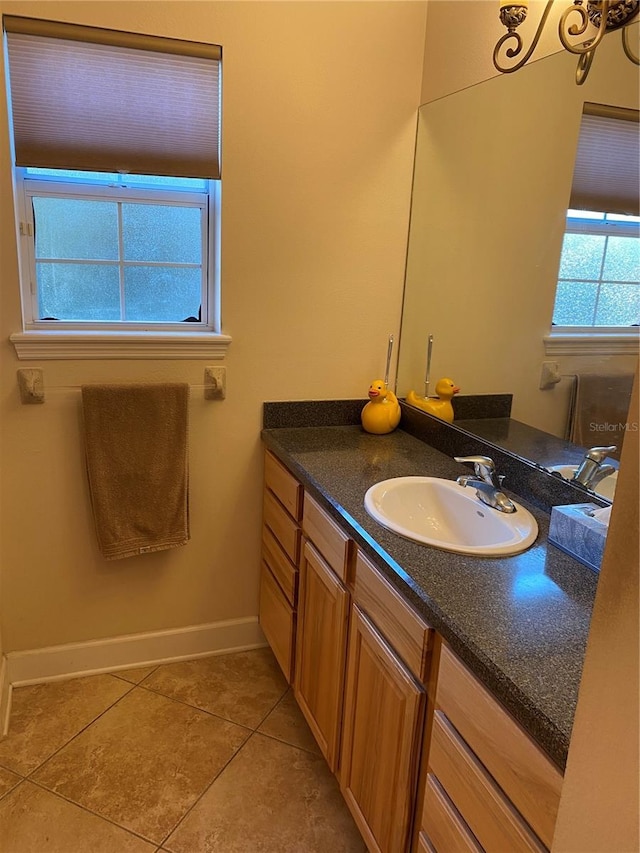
{"x":598,"y":454}
{"x":483,"y":466}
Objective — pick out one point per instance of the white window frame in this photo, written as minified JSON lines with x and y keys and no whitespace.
{"x":42,"y":339}
{"x":593,"y":340}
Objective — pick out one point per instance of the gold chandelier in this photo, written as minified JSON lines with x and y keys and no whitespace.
{"x":581,"y":29}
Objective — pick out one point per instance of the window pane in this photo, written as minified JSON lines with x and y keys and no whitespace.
{"x":193,"y":184}
{"x":78,"y":291}
{"x":622,"y":259}
{"x":162,"y":294}
{"x":74,"y":228}
{"x":581,"y":256}
{"x":575,"y":303}
{"x":618,"y":305}
{"x":65,"y":174}
{"x":162,"y":233}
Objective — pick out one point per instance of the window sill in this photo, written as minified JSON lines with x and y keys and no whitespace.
{"x":43,"y":345}
{"x":585,"y":343}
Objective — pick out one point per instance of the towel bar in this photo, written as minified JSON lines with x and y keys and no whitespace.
{"x":32,"y":389}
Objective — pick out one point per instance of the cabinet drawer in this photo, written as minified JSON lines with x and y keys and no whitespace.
{"x":523,"y":771}
{"x":283,"y":485}
{"x":281,"y":566}
{"x":442,"y":822}
{"x":409,"y":635}
{"x":333,"y":544}
{"x":481,"y":803}
{"x":283,"y":527}
{"x":277,"y":620}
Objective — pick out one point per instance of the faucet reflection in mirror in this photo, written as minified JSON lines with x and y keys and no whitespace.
{"x":580,"y":30}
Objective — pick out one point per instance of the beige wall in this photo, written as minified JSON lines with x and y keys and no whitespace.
{"x":318,"y":132}
{"x":599,"y":810}
{"x":494,"y":166}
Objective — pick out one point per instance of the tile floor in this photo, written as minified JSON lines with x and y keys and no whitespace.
{"x":203,"y":756}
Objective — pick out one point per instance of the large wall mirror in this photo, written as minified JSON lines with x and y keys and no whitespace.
{"x":493,"y":173}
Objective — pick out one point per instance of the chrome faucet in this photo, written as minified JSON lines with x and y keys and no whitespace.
{"x":487,"y":483}
{"x":591,"y":470}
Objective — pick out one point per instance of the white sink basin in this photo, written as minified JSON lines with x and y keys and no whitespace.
{"x":606,"y":487}
{"x":448,"y":516}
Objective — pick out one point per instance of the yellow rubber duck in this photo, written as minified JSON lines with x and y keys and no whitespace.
{"x":382,"y":413}
{"x":441,"y":407}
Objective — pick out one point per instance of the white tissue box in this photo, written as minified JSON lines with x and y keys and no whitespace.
{"x":576,"y":533}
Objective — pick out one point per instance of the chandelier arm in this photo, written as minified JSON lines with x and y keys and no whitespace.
{"x":626,"y":46}
{"x":514,"y":51}
{"x":584,"y":66}
{"x":578,"y":30}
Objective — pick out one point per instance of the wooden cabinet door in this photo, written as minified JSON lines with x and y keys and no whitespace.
{"x":323,"y":612}
{"x":383,"y":717}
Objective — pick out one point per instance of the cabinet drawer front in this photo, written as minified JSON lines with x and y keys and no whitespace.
{"x":277,"y":620}
{"x":442,"y":822}
{"x":482,"y":804}
{"x":531,"y":780}
{"x":333,"y":544}
{"x":281,"y":566}
{"x":283,"y":485}
{"x":409,"y":635}
{"x":283,"y":527}
{"x":321,"y":651}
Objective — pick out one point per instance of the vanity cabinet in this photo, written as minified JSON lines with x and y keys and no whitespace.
{"x":323,"y":614}
{"x":281,"y":548}
{"x":383,"y":711}
{"x":456,"y":773}
{"x":487,"y":785}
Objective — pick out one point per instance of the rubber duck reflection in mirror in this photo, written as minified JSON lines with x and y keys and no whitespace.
{"x":382,"y":413}
{"x":441,"y":406}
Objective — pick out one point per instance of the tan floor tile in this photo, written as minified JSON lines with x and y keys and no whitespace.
{"x":271,"y":798}
{"x":46,"y":716}
{"x":242,"y":687}
{"x":8,"y":780}
{"x":135,"y":676}
{"x":286,"y":723}
{"x":143,"y":763}
{"x":33,"y":820}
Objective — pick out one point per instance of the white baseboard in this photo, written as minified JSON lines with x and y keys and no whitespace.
{"x":73,"y":660}
{"x":5,"y":696}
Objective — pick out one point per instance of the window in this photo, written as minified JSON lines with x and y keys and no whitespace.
{"x":597,"y":301}
{"x":599,"y":276}
{"x":115,"y":251}
{"x":117,"y":175}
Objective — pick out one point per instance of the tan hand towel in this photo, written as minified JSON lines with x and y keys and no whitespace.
{"x":136,"y":442}
{"x":600,"y":410}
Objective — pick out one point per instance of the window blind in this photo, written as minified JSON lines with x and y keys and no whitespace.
{"x":100,"y":100}
{"x":606,"y":174}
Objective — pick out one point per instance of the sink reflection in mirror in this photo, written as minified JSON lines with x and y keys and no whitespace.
{"x":446,"y":515}
{"x":606,"y":488}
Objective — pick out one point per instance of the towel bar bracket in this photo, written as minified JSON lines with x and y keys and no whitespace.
{"x":31,"y":385}
{"x":215,"y":383}
{"x":550,"y":375}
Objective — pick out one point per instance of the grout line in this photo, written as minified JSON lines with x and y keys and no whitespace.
{"x":91,"y":812}
{"x":205,"y":711}
{"x":78,"y":733}
{"x":208,"y":787}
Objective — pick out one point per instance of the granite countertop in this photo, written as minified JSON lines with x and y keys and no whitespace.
{"x":520,"y":623}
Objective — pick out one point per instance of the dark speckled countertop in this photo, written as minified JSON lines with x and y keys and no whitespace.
{"x":520,"y":623}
